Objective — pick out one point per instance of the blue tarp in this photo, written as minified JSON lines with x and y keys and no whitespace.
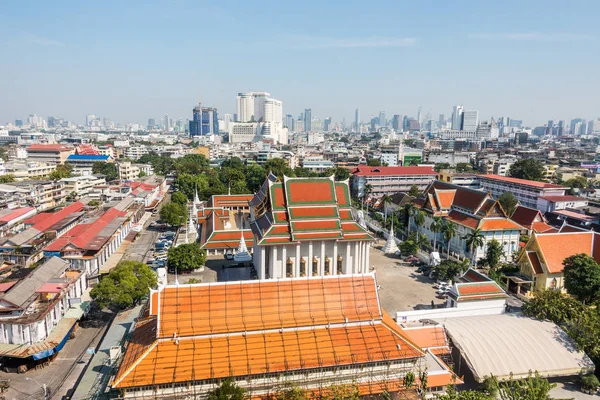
{"x":47,"y":353}
{"x":86,"y":157}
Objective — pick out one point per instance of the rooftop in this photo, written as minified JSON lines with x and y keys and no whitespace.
{"x":363,"y":170}
{"x":507,"y":179}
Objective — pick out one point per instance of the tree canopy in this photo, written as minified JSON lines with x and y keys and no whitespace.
{"x":127,"y":284}
{"x":448,"y":270}
{"x":509,"y":202}
{"x":228,"y":390}
{"x":414,"y":191}
{"x":7,"y":178}
{"x":527,"y":169}
{"x":109,"y":170}
{"x":179,"y":198}
{"x":186,"y":257}
{"x":62,"y":171}
{"x":494,"y":253}
{"x":373,"y":162}
{"x":174,"y":214}
{"x":582,"y":277}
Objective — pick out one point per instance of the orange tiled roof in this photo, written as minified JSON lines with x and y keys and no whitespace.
{"x":534,"y":260}
{"x":498,"y":224}
{"x":555,"y":247}
{"x":445,"y":198}
{"x":428,"y":337}
{"x":302,"y":191}
{"x":217,"y":330}
{"x":234,"y":200}
{"x":541,"y":227}
{"x":463,"y":219}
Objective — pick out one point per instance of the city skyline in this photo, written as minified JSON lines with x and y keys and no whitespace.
{"x":494,"y":60}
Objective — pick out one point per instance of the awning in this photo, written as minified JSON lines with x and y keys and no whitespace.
{"x":519,"y":280}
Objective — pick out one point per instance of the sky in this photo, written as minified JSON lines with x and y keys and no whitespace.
{"x":133,"y":60}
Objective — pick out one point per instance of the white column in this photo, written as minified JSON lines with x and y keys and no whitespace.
{"x":310,"y":259}
{"x":283,"y":262}
{"x":275,"y":270}
{"x":322,"y":260}
{"x":346,"y":266}
{"x":262,"y":266}
{"x":297,"y":260}
{"x":335,"y":257}
{"x":368,"y":256}
{"x":365,"y":251}
{"x":356,"y":260}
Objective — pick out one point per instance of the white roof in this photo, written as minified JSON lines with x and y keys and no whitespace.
{"x":501,"y":344}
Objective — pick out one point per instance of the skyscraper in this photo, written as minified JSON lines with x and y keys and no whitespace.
{"x":205,"y":121}
{"x":420,"y":115}
{"x":457,"y":118}
{"x":307,"y":120}
{"x":289,"y":118}
{"x":88,"y":119}
{"x":151,"y":123}
{"x":167,"y":124}
{"x":470,"y":120}
{"x":326,"y":124}
{"x":397,"y":122}
{"x":245,"y":107}
{"x":382,"y":119}
{"x":441,"y":121}
{"x":357,"y":120}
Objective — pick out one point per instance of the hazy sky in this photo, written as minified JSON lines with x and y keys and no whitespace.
{"x":133,"y":60}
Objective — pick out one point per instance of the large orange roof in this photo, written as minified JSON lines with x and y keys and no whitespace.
{"x":555,"y":247}
{"x":218,"y":330}
{"x":317,"y":191}
{"x":497,"y":224}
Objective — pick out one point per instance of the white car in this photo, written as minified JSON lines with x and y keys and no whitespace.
{"x":229,"y":255}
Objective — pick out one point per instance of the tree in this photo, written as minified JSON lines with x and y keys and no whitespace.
{"x":193,"y":280}
{"x":436,"y":227}
{"x":109,"y":170}
{"x":474,"y":239}
{"x":419,"y":218}
{"x":141,"y":174}
{"x":125,"y":286}
{"x":448,"y":270}
{"x":373,"y":162}
{"x":193,"y":164}
{"x":278,"y":167}
{"x":179,"y":198}
{"x":186,"y":257}
{"x":8,"y":178}
{"x":188,"y":184}
{"x":255,"y":177}
{"x":553,"y":305}
{"x":449,"y":230}
{"x":508,"y":202}
{"x":340,"y":174}
{"x":527,"y":169}
{"x":62,"y":171}
{"x":440,"y":166}
{"x":174,"y":214}
{"x":534,"y":387}
{"x":452,"y":394}
{"x":409,"y":209}
{"x":409,"y":380}
{"x":463,"y":167}
{"x":228,"y":390}
{"x":385,"y":200}
{"x":94,"y":203}
{"x":582,"y":277}
{"x":414,"y":191}
{"x":493,"y":253}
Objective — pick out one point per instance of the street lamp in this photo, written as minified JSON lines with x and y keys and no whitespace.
{"x":40,"y":385}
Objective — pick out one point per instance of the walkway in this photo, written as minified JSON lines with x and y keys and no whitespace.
{"x":98,"y":372}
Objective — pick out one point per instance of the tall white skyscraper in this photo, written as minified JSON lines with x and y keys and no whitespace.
{"x":457,"y":118}
{"x":382,"y":119}
{"x":259,"y":108}
{"x":470,"y":120}
{"x":245,"y":107}
{"x":357,"y":120}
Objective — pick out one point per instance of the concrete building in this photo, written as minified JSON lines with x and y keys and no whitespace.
{"x":40,"y":194}
{"x":82,"y":185}
{"x":457,"y":118}
{"x":49,"y":153}
{"x":470,"y":120}
{"x":304,"y":227}
{"x":390,"y":180}
{"x":527,"y":192}
{"x":136,"y":152}
{"x":28,"y":170}
{"x":128,"y":171}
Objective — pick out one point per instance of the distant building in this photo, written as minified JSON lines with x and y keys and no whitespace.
{"x":526,"y":191}
{"x":307,"y":120}
{"x":382,"y":119}
{"x":457,"y":118}
{"x":390,"y":180}
{"x":357,"y":120}
{"x":205,"y":121}
{"x":470,"y":120}
{"x":49,"y":153}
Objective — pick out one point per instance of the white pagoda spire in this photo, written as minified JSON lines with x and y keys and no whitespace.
{"x":242,"y":246}
{"x":191,"y":225}
{"x":196,"y":198}
{"x":242,"y":254}
{"x":390,"y":246}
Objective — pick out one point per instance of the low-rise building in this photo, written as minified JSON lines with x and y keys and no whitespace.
{"x":128,"y":171}
{"x":49,"y":153}
{"x":555,"y":203}
{"x":28,"y":170}
{"x":527,"y":192}
{"x":390,"y":180}
{"x":82,"y":186}
{"x":11,"y":220}
{"x":83,"y":163}
{"x":40,"y":194}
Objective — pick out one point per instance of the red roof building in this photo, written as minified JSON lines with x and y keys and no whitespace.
{"x":527,"y":192}
{"x":262,"y":333}
{"x":470,"y":210}
{"x":532,"y":219}
{"x":304,"y":227}
{"x":49,"y":153}
{"x":390,"y":180}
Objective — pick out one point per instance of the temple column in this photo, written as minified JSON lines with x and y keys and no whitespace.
{"x":297,"y":260}
{"x":335,"y":257}
{"x":368,"y":256}
{"x":310,"y":259}
{"x":284,"y":262}
{"x":262,"y":266}
{"x":322,"y":260}
{"x":346,"y":265}
{"x":356,"y":260}
{"x":275,"y":272}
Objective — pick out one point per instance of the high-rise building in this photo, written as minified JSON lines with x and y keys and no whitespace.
{"x":151,"y":123}
{"x":245,"y":107}
{"x":397,"y":122}
{"x":88,"y":119}
{"x":420,"y":115}
{"x":457,"y":118}
{"x":260,"y":99}
{"x":357,"y":120}
{"x":326,"y":124}
{"x":289,"y":121}
{"x":167,"y":123}
{"x":441,"y":121}
{"x":307,"y":120}
{"x":470,"y":120}
{"x":382,"y":119}
{"x":205,"y":121}
{"x":18,"y":122}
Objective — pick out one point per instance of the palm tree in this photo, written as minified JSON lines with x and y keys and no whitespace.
{"x":409,"y":209}
{"x":385,"y":200}
{"x":419,"y":217}
{"x":474,"y":240}
{"x":449,"y":230}
{"x":436,"y":227}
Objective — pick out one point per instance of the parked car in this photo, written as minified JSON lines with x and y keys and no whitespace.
{"x":229,"y":255}
{"x":411,"y":259}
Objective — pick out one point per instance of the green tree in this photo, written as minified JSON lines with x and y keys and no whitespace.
{"x":419,"y":218}
{"x":186,"y":257}
{"x":463,"y":167}
{"x":340,"y":174}
{"x":125,"y":286}
{"x":141,"y":174}
{"x":188,"y":185}
{"x":373,"y":162}
{"x":494,"y":253}
{"x":508,"y":202}
{"x":7,"y":178}
{"x":449,"y":231}
{"x":109,"y":170}
{"x":409,"y":380}
{"x":300,"y":172}
{"x":94,"y":203}
{"x":448,"y":270}
{"x":409,"y":209}
{"x":255,"y":177}
{"x":174,"y":214}
{"x":193,"y":164}
{"x":574,"y":184}
{"x":436,"y":226}
{"x":453,"y":394}
{"x":235,"y":163}
{"x":582,"y":277}
{"x":414,"y":191}
{"x":161,"y":165}
{"x":228,"y":390}
{"x":278,"y":167}
{"x":62,"y":171}
{"x":534,"y":387}
{"x":474,"y":240}
{"x":193,"y":280}
{"x":553,"y":305}
{"x":440,"y":166}
{"x":385,"y":201}
{"x":179,"y":198}
{"x":527,"y":169}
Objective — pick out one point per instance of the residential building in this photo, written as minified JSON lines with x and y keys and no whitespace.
{"x":305,"y":227}
{"x":555,"y":203}
{"x":40,"y":194}
{"x":128,"y":171}
{"x":136,"y":152}
{"x":346,"y":339}
{"x":39,"y":308}
{"x":28,"y":170}
{"x":470,"y":210}
{"x":390,"y":180}
{"x":527,"y":192}
{"x":49,"y":153}
{"x":11,"y":219}
{"x":82,"y":186}
{"x":466,"y":180}
{"x":83,"y":163}
{"x":317,"y":164}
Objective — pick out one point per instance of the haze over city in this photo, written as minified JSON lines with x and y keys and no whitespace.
{"x":131,"y":61}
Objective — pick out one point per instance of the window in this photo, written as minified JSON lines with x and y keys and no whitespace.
{"x":289,"y":268}
{"x":339,"y":265}
{"x":302,"y":266}
{"x":327,"y":266}
{"x":315,"y":266}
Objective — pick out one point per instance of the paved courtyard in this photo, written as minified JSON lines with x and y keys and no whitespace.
{"x":401,"y":287}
